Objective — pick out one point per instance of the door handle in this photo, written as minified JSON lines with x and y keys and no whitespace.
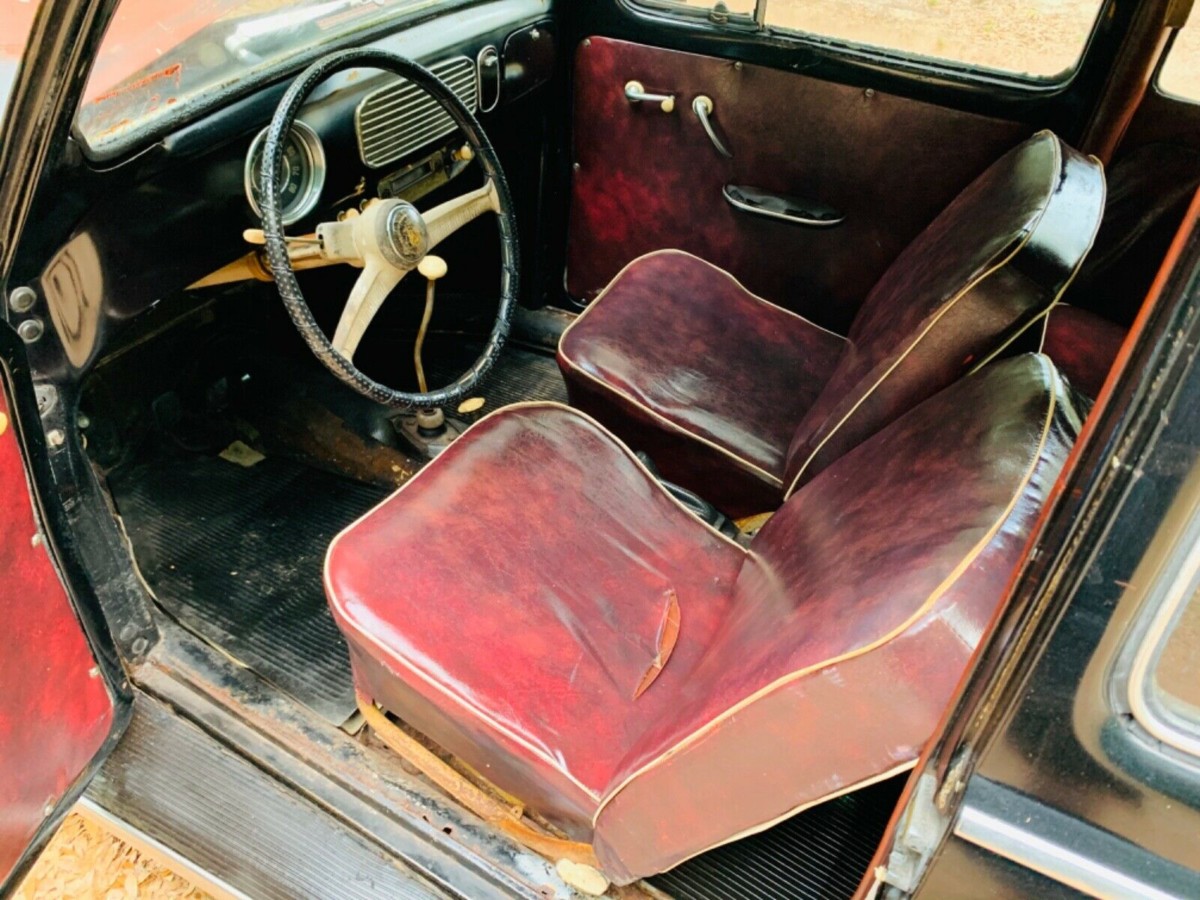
{"x":702,"y":106}
{"x":635,"y":92}
{"x":785,"y":208}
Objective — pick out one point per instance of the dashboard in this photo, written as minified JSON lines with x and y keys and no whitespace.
{"x":123,"y":234}
{"x":392,"y":124}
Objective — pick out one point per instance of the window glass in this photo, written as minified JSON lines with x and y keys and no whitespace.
{"x":1176,"y":676}
{"x":1164,"y":655}
{"x":736,"y":8}
{"x":16,"y":18}
{"x":1039,"y":38}
{"x":1180,"y":75}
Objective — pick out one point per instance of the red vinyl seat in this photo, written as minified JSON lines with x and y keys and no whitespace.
{"x":537,"y":604}
{"x":1084,"y":346}
{"x":742,"y":401}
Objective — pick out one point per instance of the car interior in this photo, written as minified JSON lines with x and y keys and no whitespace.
{"x":617,"y":421}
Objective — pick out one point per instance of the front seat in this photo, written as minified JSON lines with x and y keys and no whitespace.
{"x":742,"y":401}
{"x":537,"y":604}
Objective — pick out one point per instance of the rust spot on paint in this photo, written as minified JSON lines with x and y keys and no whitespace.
{"x":172,"y":71}
{"x":115,"y":127}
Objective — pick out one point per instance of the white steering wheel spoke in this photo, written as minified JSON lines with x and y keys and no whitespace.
{"x":389,"y":239}
{"x":386,"y":237}
{"x":446,"y":218}
{"x":376,"y":281}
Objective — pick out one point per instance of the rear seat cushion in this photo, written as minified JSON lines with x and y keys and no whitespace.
{"x":1083,"y":345}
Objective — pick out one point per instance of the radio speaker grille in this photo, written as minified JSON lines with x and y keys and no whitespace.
{"x":400,"y":117}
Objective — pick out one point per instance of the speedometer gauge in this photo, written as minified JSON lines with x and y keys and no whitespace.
{"x":302,"y":177}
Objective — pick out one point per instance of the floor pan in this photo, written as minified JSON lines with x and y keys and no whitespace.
{"x":820,"y":854}
{"x":236,"y":555}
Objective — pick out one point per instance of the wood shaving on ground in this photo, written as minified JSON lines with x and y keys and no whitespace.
{"x":84,"y":861}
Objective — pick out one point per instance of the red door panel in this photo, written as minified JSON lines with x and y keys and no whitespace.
{"x":647,"y":180}
{"x":55,"y":708}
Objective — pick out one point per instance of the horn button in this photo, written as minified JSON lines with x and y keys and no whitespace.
{"x":403,"y":238}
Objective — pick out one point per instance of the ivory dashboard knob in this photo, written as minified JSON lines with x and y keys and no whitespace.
{"x":432,"y":267}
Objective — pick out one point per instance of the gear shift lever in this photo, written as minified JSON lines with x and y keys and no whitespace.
{"x":431,"y":422}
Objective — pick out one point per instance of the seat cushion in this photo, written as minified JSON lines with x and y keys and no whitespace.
{"x":511,"y":600}
{"x":1083,"y":345}
{"x":682,"y":362}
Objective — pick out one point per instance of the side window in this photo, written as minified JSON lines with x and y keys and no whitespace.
{"x":1164,"y":684}
{"x":1180,"y":74}
{"x":1177,"y":675}
{"x":1040,"y":39}
{"x":15,"y":21}
{"x":717,"y":10}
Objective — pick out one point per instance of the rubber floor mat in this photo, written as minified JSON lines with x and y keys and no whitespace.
{"x":236,"y":555}
{"x":520,"y":375}
{"x":819,"y":854}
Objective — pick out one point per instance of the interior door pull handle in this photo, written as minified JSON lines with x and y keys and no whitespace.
{"x":702,"y":106}
{"x":635,"y":92}
{"x":784,"y":207}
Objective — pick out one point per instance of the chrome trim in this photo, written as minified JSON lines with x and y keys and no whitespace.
{"x":1059,"y":863}
{"x":400,"y":118}
{"x":314,"y":173}
{"x":702,"y":106}
{"x":488,"y":57}
{"x":771,"y":214}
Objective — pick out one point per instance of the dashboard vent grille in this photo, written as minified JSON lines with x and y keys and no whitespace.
{"x":400,"y":117}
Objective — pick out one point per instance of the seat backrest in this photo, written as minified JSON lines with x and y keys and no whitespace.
{"x":991,"y":265}
{"x":856,"y":610}
{"x":939,"y":502}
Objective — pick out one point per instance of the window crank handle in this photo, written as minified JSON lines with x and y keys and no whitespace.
{"x":635,"y":92}
{"x":702,"y":106}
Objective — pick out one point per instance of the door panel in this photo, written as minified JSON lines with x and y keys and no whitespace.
{"x":56,"y":712}
{"x":646,"y":180}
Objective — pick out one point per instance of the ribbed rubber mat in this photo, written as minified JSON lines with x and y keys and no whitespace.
{"x":519,"y":376}
{"x":236,"y":823}
{"x":820,"y":854}
{"x":236,"y":555}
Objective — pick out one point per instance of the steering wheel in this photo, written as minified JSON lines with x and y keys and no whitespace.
{"x":388,"y":239}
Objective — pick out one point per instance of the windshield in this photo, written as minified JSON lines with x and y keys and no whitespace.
{"x":158,"y":59}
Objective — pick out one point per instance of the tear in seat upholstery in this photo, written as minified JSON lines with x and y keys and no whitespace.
{"x":508,"y":600}
{"x":742,"y":401}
